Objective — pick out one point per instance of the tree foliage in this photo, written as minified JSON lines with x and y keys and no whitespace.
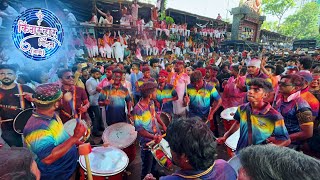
{"x":270,"y":25}
{"x":303,"y":23}
{"x":277,"y":8}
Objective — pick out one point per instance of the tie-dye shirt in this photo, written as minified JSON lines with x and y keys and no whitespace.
{"x":201,"y":100}
{"x":143,"y":120}
{"x":42,"y":134}
{"x":167,"y":92}
{"x":311,"y":100}
{"x":289,"y":108}
{"x":268,"y":122}
{"x":118,"y":99}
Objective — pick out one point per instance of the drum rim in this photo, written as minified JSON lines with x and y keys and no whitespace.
{"x":82,"y":120}
{"x":228,"y":119}
{"x":105,"y":174}
{"x":227,"y":144}
{"x":14,"y":120}
{"x":166,"y":154}
{"x":167,"y":114}
{"x":114,"y":145}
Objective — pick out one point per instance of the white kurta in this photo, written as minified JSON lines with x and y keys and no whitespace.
{"x":178,"y":108}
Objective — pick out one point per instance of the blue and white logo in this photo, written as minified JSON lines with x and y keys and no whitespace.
{"x":38,"y":33}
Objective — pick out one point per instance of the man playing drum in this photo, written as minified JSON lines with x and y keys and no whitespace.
{"x":203,"y":99}
{"x":78,"y":102}
{"x":145,"y":118}
{"x":56,"y":152}
{"x":13,"y":99}
{"x":194,"y":154}
{"x":165,"y":94}
{"x":116,"y":97}
{"x":264,"y":125}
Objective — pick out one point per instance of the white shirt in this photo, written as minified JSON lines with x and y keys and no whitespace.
{"x":135,"y":11}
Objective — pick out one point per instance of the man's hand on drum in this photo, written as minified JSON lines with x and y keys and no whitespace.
{"x":270,"y":140}
{"x":221,"y":140}
{"x":28,"y":96}
{"x":157,"y":138}
{"x":79,"y":131}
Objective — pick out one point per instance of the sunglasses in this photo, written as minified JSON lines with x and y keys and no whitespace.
{"x":283,"y":84}
{"x":69,"y":77}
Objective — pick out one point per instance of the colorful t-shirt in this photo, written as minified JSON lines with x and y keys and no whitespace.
{"x":290,"y":108}
{"x":42,"y":134}
{"x":311,"y":100}
{"x":268,"y":122}
{"x":201,"y":100}
{"x":143,"y":120}
{"x":221,"y":171}
{"x":167,"y":92}
{"x":118,"y":98}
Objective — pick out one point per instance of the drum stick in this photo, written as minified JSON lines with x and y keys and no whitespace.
{"x":85,"y":150}
{"x":151,"y":142}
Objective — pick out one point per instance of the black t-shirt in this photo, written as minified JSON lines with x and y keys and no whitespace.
{"x":10,"y":104}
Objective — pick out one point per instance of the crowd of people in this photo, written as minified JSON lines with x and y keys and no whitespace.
{"x":277,"y":100}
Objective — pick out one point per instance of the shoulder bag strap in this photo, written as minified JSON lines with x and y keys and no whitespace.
{"x":249,"y":123}
{"x":21,"y":97}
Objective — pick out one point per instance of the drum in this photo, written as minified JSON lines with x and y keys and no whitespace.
{"x":232,"y":142}
{"x":122,"y":136}
{"x":228,"y":113}
{"x":227,"y":116}
{"x":106,"y":163}
{"x":21,"y":120}
{"x":161,"y":152}
{"x":235,"y":163}
{"x":165,"y":117}
{"x":70,"y":125}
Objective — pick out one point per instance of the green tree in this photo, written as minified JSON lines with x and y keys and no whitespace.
{"x":277,"y":8}
{"x":303,"y":23}
{"x":270,"y":25}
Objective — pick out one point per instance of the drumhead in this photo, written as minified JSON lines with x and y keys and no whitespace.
{"x":70,"y":125}
{"x":119,"y":135}
{"x":21,"y":120}
{"x":232,"y":141}
{"x":166,"y":148}
{"x":106,"y":161}
{"x":235,"y":163}
{"x":228,"y":113}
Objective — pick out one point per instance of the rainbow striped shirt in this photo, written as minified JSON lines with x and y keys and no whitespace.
{"x":143,"y":120}
{"x":201,"y":100}
{"x":167,"y":92}
{"x":266,"y":123}
{"x":42,"y":134}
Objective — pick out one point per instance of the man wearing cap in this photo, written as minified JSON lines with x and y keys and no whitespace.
{"x":308,"y":96}
{"x":211,"y":76}
{"x":253,"y":70}
{"x":115,"y":97}
{"x":166,"y":94}
{"x":179,"y":80}
{"x":56,"y":152}
{"x":145,"y":118}
{"x":14,"y":98}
